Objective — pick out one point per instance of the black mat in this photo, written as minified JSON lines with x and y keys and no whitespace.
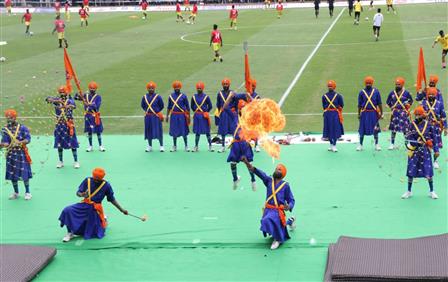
{"x":22,"y":262}
{"x":417,"y":259}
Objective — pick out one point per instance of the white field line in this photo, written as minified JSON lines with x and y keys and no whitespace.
{"x":305,"y":64}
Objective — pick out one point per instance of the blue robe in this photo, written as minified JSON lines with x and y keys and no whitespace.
{"x":200,"y":123}
{"x":333,"y":128}
{"x":437,"y":115}
{"x":178,"y":118}
{"x":239,"y":148}
{"x":399,"y":120}
{"x":153,"y":124}
{"x":228,"y":117}
{"x":17,"y":167}
{"x":62,"y":137}
{"x":369,"y":120}
{"x":93,"y":108}
{"x":420,"y":163}
{"x":270,"y":222}
{"x":81,"y":218}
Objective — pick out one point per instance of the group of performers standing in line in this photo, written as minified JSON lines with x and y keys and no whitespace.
{"x":87,"y":219}
{"x":423,"y":134}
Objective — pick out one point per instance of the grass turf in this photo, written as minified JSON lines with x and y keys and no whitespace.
{"x":201,"y":230}
{"x":122,"y":53}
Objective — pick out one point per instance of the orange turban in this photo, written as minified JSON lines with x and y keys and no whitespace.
{"x":177,"y":84}
{"x":151,"y":85}
{"x":98,"y":173}
{"x":400,"y":81}
{"x":282,"y":168}
{"x":200,"y":85}
{"x":369,"y":80}
{"x":420,"y":111}
{"x":332,"y":84}
{"x":225,"y":81}
{"x":93,"y":85}
{"x":434,"y":79}
{"x":10,"y":113}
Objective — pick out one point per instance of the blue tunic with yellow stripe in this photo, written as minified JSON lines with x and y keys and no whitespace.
{"x":65,"y":131}
{"x":201,"y":105}
{"x":419,"y":155}
{"x":153,"y":106}
{"x":92,"y":119}
{"x":399,"y":103}
{"x":180,"y":114}
{"x":369,"y":100}
{"x":437,"y":116}
{"x":332,"y":102}
{"x":228,"y":117}
{"x":18,"y":167}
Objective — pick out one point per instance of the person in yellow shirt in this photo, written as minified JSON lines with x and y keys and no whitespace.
{"x":443,"y":40}
{"x":358,"y":10}
{"x":390,"y":5}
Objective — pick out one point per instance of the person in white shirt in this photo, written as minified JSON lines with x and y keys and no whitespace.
{"x":377,"y":22}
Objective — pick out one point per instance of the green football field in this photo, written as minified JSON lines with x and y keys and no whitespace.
{"x":198,"y":228}
{"x":122,"y":52}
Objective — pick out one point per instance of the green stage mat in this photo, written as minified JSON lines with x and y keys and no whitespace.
{"x":199,"y":229}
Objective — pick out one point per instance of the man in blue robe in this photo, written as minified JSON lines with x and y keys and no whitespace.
{"x":420,"y":141}
{"x":87,"y":218}
{"x":178,"y":114}
{"x":279,"y":198}
{"x":228,"y":117}
{"x":201,"y":105}
{"x":153,"y":105}
{"x":332,"y":103}
{"x":15,"y":137}
{"x":399,"y":101}
{"x":437,"y":116}
{"x":370,"y":111}
{"x":65,"y":131}
{"x":92,"y":116}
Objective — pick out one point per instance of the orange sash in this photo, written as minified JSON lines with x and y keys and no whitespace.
{"x":97,"y":206}
{"x":281,"y":212}
{"x":99,"y":210}
{"x":71,"y":127}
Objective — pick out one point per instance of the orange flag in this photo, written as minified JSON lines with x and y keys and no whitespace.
{"x":247,"y":77}
{"x":70,"y":74}
{"x":421,"y":73}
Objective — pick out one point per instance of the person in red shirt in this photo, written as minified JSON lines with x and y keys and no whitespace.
{"x":83,"y":14}
{"x":216,"y":42}
{"x":27,"y":18}
{"x":59,"y":26}
{"x":179,"y":13}
{"x":194,"y":13}
{"x":233,"y":16}
{"x":86,"y":5}
{"x":67,"y":10}
{"x":144,"y":5}
{"x":187,"y":5}
{"x":8,"y":5}
{"x":57,"y":7}
{"x":279,"y":9}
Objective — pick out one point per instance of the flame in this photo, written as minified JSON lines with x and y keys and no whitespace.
{"x":259,"y":118}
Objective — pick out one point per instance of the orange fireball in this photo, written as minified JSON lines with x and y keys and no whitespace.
{"x":259,"y":118}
